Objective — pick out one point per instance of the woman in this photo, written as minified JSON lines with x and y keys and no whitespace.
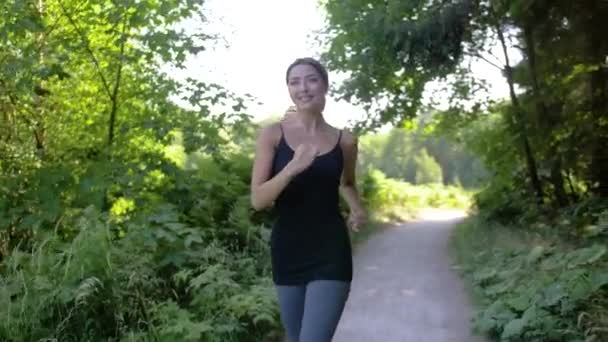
{"x":301,"y":166}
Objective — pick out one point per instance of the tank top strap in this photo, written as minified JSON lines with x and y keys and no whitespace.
{"x":282,"y":143}
{"x":338,"y":144}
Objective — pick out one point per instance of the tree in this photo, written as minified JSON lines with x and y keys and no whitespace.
{"x":427,"y":169}
{"x":391,"y":49}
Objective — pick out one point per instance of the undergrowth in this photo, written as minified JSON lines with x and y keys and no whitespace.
{"x":177,"y":254}
{"x":532,"y":284}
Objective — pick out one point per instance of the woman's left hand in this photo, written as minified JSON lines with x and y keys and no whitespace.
{"x":357,"y":219}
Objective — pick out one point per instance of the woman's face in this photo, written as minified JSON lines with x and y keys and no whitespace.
{"x":306,"y":88}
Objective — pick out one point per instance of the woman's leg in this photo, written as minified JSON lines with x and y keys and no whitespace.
{"x":291,"y":304}
{"x":325,"y":300}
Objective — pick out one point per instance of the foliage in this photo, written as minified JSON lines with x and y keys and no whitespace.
{"x":390,"y":50}
{"x":532,"y":286}
{"x":162,"y":280}
{"x":543,"y":148}
{"x":427,"y":170}
{"x":388,"y":198}
{"x":122,"y":215}
{"x":553,"y":123}
{"x":407,"y":155}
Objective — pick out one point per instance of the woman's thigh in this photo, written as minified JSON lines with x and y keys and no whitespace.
{"x":291,"y":304}
{"x":323,"y":307}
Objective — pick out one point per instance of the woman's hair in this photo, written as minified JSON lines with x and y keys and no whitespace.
{"x":313,"y":63}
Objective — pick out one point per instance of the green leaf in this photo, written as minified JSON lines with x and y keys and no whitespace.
{"x":192,"y":238}
{"x":580,"y":289}
{"x":587,"y":255}
{"x":535,"y":254}
{"x":498,"y":289}
{"x":520,"y":303}
{"x":166,"y":235}
{"x":30,"y":221}
{"x":513,"y":329}
{"x":553,"y":294}
{"x":484,"y":276}
{"x":31,"y":24}
{"x":176,"y":259}
{"x":197,"y":329}
{"x":599,"y":279}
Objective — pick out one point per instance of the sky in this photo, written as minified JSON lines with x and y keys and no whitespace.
{"x":259,"y":39}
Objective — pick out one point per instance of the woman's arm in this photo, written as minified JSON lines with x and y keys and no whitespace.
{"x":264,"y":191}
{"x":348,"y":187}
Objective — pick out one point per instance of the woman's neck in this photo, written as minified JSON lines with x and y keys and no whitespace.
{"x":312,"y":122}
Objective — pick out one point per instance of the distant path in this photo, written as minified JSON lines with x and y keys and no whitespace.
{"x":404,"y":289}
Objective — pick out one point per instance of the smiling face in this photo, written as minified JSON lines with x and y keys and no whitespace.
{"x":307,"y":88}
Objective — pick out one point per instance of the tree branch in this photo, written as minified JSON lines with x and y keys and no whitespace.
{"x":23,"y":115}
{"x":88,"y":48}
{"x":495,"y":57}
{"x":55,"y":23}
{"x":478,"y":55}
{"x":13,"y":101}
{"x":114,"y":96}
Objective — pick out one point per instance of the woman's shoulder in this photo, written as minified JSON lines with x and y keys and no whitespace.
{"x":348,"y":139}
{"x":273,"y":127}
{"x":270,"y":133}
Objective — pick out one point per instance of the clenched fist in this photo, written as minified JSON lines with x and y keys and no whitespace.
{"x":303,"y":157}
{"x":357,"y":220}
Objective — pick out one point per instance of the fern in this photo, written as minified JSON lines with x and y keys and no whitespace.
{"x":537,"y":292}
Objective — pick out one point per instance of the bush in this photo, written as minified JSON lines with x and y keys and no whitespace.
{"x":390,"y":198}
{"x":175,"y":256}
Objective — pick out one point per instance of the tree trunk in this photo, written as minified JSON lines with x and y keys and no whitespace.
{"x":598,"y":53}
{"x":557,"y":179}
{"x":40,"y":93}
{"x":539,"y":97}
{"x":573,"y":194}
{"x":114,"y":96}
{"x":8,"y":122}
{"x":519,"y":122}
{"x":599,"y":156}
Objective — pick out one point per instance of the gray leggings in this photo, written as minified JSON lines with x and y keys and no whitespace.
{"x":310,"y":313}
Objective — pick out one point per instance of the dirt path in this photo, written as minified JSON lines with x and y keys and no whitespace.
{"x":404,"y":289}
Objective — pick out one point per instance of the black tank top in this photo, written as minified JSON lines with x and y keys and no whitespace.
{"x":310,"y":239}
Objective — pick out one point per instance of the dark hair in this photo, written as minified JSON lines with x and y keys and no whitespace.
{"x":313,"y":63}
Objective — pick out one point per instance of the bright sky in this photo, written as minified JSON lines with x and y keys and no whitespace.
{"x":264,"y":37}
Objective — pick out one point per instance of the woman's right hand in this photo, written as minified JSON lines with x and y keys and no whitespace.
{"x":303,"y":157}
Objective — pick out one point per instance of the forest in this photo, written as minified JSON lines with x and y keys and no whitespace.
{"x":125,"y":216}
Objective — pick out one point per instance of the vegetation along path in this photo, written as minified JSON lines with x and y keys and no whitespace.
{"x":404,"y":288}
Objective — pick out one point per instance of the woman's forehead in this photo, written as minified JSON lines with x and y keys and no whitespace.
{"x":303,"y":70}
